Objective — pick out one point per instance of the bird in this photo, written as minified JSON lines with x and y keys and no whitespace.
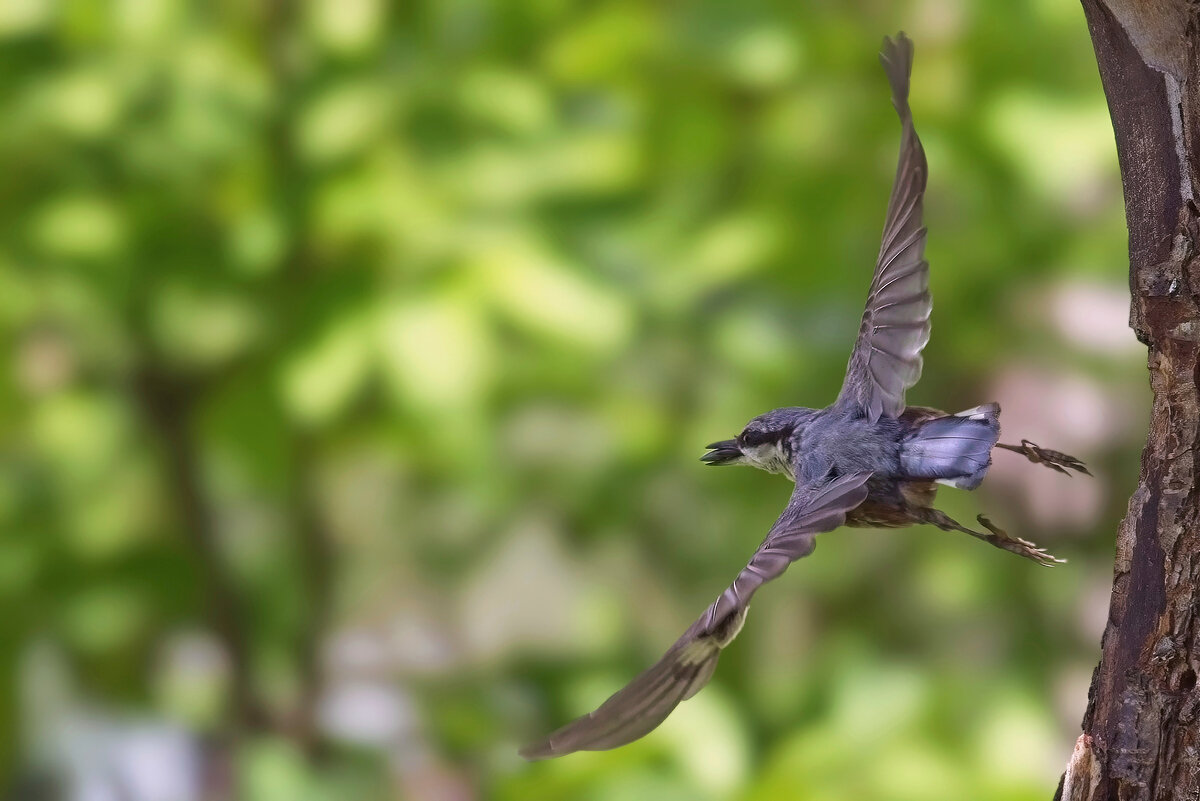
{"x":867,"y":459}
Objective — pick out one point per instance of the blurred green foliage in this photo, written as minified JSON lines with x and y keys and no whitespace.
{"x":358,"y":358}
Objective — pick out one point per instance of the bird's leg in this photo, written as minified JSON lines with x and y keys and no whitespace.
{"x":1022,"y":547}
{"x":996,"y":536}
{"x":1055,"y":460}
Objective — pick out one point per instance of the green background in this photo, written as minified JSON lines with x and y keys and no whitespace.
{"x":357,"y":359}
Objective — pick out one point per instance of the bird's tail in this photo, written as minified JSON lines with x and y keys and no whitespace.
{"x":955,"y":450}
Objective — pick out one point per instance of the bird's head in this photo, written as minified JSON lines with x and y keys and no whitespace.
{"x":763,"y":443}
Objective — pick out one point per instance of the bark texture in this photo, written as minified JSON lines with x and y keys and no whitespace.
{"x":1141,"y":731}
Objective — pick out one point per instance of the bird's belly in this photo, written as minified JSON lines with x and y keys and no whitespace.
{"x":891,"y":504}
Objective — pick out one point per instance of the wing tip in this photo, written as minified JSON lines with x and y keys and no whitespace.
{"x":900,"y":48}
{"x":640,"y":706}
{"x":535,"y":752}
{"x":897,"y":60}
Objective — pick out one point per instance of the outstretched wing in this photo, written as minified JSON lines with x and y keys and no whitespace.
{"x":895,"y":325}
{"x":645,"y":702}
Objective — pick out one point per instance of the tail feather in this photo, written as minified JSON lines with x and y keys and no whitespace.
{"x":955,"y":449}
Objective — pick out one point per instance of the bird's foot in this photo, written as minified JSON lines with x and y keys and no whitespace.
{"x":1055,"y":460}
{"x":1002,"y":539}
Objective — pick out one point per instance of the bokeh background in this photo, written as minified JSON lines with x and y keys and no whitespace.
{"x":357,"y":359}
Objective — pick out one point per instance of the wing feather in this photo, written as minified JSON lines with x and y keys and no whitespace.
{"x":687,"y":666}
{"x":895,"y":325}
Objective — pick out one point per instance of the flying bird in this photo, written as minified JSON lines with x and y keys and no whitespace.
{"x":865,"y":460}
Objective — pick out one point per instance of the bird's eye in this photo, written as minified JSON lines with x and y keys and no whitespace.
{"x":751,"y":439}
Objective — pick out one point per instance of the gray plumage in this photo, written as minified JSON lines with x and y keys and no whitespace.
{"x":865,"y":460}
{"x":954,"y":450}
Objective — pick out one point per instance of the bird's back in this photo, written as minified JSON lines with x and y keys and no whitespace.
{"x":840,"y":441}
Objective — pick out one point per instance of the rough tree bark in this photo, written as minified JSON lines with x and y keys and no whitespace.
{"x":1141,"y":731}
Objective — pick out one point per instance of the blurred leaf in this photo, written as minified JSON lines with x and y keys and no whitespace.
{"x":103,"y":618}
{"x":321,"y":380}
{"x":540,"y":293}
{"x":435,"y":354}
{"x":80,"y":226}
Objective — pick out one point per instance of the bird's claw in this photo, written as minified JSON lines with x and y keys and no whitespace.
{"x":1055,"y":460}
{"x":1021,"y":547}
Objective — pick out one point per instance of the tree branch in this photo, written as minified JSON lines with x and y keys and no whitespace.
{"x":314,"y":542}
{"x":168,"y":402}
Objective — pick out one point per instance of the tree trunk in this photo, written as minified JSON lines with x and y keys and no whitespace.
{"x":1141,"y":731}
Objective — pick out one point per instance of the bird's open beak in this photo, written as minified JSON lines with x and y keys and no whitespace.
{"x":723,"y":452}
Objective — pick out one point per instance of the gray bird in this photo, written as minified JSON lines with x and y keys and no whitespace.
{"x":865,"y":460}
